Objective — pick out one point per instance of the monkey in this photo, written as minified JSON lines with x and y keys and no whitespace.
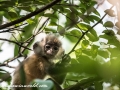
{"x":36,"y":66}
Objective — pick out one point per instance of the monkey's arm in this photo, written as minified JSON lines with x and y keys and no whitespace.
{"x":59,"y":71}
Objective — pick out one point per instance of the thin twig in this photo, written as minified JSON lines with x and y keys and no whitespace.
{"x":15,"y":43}
{"x":30,"y":15}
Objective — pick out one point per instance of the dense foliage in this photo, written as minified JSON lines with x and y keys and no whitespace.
{"x":94,"y":58}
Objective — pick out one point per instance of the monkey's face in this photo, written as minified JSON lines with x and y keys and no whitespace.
{"x":47,"y":47}
{"x":51,"y":50}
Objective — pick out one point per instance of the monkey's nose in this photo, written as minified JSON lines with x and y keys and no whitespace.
{"x":50,"y":52}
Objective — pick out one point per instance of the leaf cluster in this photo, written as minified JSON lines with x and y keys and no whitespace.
{"x":90,"y":62}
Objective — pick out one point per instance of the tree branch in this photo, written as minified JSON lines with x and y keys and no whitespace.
{"x":15,"y":43}
{"x":29,"y":15}
{"x":7,"y":61}
{"x":82,"y":84}
{"x":88,"y":31}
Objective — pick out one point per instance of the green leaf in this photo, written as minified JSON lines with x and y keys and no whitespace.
{"x":71,"y":38}
{"x":6,"y":2}
{"x":98,"y":86}
{"x":115,"y":64}
{"x":93,"y":18}
{"x":93,"y":3}
{"x":60,"y":29}
{"x":82,"y":8}
{"x":50,"y":15}
{"x":74,"y":61}
{"x":29,"y":8}
{"x":108,"y":24}
{"x":30,"y":21}
{"x":83,"y":26}
{"x":74,"y":76}
{"x":78,"y":52}
{"x":85,"y":43}
{"x":105,"y":37}
{"x":2,"y":70}
{"x":76,"y":33}
{"x":84,"y":18}
{"x":50,"y":30}
{"x":104,"y":70}
{"x":86,"y":63}
{"x":90,"y":10}
{"x":16,"y":50}
{"x":109,"y":32}
{"x":96,"y":12}
{"x":29,"y":28}
{"x":115,"y":52}
{"x":94,"y":50}
{"x":112,"y":40}
{"x":5,"y":76}
{"x":92,"y":37}
{"x":61,"y":8}
{"x":86,"y":52}
{"x":52,"y":23}
{"x":1,"y":19}
{"x":103,"y":53}
{"x":90,"y":19}
{"x":94,"y":33}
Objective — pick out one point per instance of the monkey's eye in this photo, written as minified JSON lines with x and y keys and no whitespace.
{"x":47,"y":46}
{"x":55,"y":48}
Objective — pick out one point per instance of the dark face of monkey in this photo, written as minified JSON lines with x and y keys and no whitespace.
{"x":48,"y":47}
{"x":51,"y":48}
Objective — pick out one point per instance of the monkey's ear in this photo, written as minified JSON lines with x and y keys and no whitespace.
{"x":37,"y":48}
{"x":35,"y":45}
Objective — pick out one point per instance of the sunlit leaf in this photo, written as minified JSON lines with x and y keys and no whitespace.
{"x":71,"y":38}
{"x":94,"y":33}
{"x":93,"y":18}
{"x":83,"y":26}
{"x":103,"y":53}
{"x":78,"y":52}
{"x":50,"y":30}
{"x":115,"y":52}
{"x":85,"y":43}
{"x":94,"y":50}
{"x":75,"y":32}
{"x":50,"y":15}
{"x":91,"y":37}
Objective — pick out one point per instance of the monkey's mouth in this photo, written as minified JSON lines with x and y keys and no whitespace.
{"x":50,"y":56}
